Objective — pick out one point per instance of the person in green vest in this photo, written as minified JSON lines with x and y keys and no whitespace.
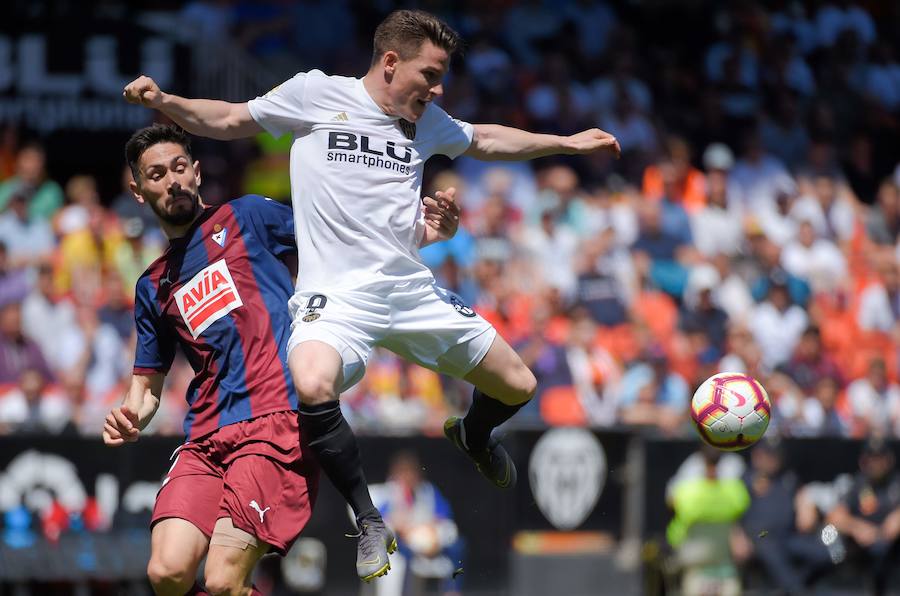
{"x":31,"y":173}
{"x":706,"y":509}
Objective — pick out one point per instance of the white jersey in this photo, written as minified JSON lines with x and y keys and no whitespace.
{"x":356,"y":178}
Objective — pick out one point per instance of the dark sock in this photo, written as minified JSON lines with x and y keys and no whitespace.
{"x":485,"y":414}
{"x":332,"y":440}
{"x":196,"y":590}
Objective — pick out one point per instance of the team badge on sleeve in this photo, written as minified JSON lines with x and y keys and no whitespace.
{"x":209,"y":296}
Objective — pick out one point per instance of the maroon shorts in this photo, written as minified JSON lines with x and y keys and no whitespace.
{"x":256,"y":472}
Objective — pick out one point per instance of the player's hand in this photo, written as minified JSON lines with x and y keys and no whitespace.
{"x":143,"y":90}
{"x":441,"y":216}
{"x":121,"y":426}
{"x":590,"y":141}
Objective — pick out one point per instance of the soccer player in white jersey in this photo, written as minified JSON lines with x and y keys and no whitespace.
{"x":359,"y":148}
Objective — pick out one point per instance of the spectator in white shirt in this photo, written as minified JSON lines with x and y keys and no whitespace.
{"x":875,"y":401}
{"x":716,"y":229}
{"x":759,"y":175}
{"x":776,"y":324}
{"x":816,"y":260}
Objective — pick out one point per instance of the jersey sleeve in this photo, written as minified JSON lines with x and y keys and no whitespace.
{"x":155,"y":348}
{"x":272,"y":222}
{"x":283,"y":109}
{"x":451,"y":136}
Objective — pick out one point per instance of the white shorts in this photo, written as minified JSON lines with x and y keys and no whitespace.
{"x":417,"y":320}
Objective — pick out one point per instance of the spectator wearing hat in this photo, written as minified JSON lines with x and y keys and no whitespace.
{"x":869,"y":515}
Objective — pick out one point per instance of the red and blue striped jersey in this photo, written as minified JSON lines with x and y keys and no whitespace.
{"x":221,"y":293}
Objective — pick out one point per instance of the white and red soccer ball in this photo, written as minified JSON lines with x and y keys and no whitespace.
{"x":731,"y":411}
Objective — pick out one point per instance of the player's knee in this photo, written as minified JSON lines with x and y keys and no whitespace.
{"x":169,"y":577}
{"x":313,"y":390}
{"x":223,"y":582}
{"x":527,"y":385}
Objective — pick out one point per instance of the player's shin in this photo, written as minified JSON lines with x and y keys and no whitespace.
{"x":332,"y":440}
{"x":485,"y":414}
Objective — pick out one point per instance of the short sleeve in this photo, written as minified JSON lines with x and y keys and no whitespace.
{"x":272,"y":222}
{"x":283,"y":109}
{"x":451,"y":136}
{"x":155,"y":348}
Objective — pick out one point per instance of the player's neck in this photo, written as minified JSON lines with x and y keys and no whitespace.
{"x":376,"y":87}
{"x":174,"y":232}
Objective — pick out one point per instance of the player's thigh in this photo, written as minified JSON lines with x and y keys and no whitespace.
{"x":501,"y":374}
{"x":233,"y":553}
{"x":177,"y":547}
{"x":331,"y":339}
{"x":269,"y":499}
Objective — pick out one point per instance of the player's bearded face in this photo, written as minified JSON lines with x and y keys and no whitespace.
{"x":418,"y":81}
{"x":170,"y":183}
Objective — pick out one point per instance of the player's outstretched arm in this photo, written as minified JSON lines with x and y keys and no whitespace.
{"x":124,"y":423}
{"x":496,"y":142}
{"x":211,"y":118}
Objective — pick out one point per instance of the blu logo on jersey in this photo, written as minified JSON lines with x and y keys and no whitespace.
{"x":207,"y":297}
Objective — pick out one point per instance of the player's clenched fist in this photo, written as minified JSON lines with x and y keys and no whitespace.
{"x":441,"y":215}
{"x":143,"y":90}
{"x":120,"y":427}
{"x":592,"y":140}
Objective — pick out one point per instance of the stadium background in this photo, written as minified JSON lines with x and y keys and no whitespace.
{"x":750,"y":225}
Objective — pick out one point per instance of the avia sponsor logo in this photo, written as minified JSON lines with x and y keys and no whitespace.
{"x":208,"y":297}
{"x":348,"y":147}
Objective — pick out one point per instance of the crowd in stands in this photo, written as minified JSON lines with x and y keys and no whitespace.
{"x":751,"y":224}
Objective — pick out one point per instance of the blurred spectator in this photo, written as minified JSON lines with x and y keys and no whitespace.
{"x":14,"y":284}
{"x":767,"y":257}
{"x":819,"y":415}
{"x":705,"y":512}
{"x":810,"y":362}
{"x":779,"y":527}
{"x":883,"y":219}
{"x":595,"y":373}
{"x":716,"y":229}
{"x":879,"y":302}
{"x":29,"y":239}
{"x":758,"y":175}
{"x":118,"y":307}
{"x":17,"y":352}
{"x":45,"y":195}
{"x":551,"y":248}
{"x":827,"y":208}
{"x":429,"y":545}
{"x":33,"y":407}
{"x":732,"y":293}
{"x":777,"y":324}
{"x":133,"y":255}
{"x":869,"y":515}
{"x":675,"y":178}
{"x":784,"y":135}
{"x":605,"y":279}
{"x":45,"y":316}
{"x":699,"y":311}
{"x":875,"y":402}
{"x":838,"y":16}
{"x":659,"y":251}
{"x":652,"y":396}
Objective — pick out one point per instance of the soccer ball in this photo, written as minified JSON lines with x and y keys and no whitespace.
{"x":731,"y":411}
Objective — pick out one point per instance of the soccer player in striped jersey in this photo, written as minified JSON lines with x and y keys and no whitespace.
{"x":244,"y":482}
